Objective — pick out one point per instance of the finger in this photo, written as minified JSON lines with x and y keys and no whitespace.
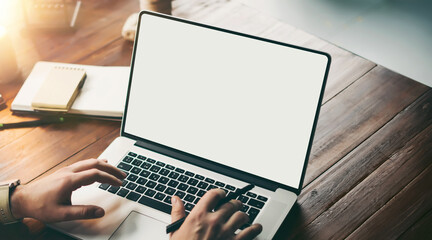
{"x":237,"y":220}
{"x":178,"y":210}
{"x":249,"y":232}
{"x":227,"y":210}
{"x":98,"y":164}
{"x":88,"y":177}
{"x":75,"y":212}
{"x":209,"y":201}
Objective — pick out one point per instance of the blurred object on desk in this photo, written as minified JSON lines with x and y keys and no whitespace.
{"x":9,"y":68}
{"x":51,"y":14}
{"x":161,"y":6}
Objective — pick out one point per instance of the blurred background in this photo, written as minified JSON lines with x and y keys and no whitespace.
{"x":394,"y":33}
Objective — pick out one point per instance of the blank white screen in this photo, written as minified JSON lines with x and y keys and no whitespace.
{"x":238,"y":101}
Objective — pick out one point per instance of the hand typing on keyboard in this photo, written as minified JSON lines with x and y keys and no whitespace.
{"x":49,"y":199}
{"x":203,"y":223}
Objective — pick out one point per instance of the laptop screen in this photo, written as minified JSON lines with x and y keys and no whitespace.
{"x":242,"y":102}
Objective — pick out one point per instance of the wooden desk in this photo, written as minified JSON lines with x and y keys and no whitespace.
{"x":369,"y":175}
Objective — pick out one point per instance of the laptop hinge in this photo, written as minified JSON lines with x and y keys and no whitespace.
{"x":210,"y":165}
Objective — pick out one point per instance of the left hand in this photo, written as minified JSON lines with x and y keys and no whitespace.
{"x":49,"y":199}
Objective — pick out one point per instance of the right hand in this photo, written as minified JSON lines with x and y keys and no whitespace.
{"x":202,"y":223}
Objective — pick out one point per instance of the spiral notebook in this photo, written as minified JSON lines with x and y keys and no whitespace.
{"x":59,"y":89}
{"x":103,"y":93}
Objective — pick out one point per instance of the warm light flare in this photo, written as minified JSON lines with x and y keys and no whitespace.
{"x":2,"y":32}
{"x":6,"y":11}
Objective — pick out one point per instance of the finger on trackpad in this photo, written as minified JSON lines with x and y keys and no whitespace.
{"x":140,"y":226}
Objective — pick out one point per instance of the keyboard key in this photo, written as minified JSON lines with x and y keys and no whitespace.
{"x":124,"y":166}
{"x":133,"y":196}
{"x":160,"y":187}
{"x":209,"y":180}
{"x":250,"y":194}
{"x":132,"y":177}
{"x":173,"y":183}
{"x":141,"y":181}
{"x":245,"y":208}
{"x":168,"y":199}
{"x":202,"y":185}
{"x":137,"y":162}
{"x":113,"y":189}
{"x":132,"y":154}
{"x":155,"y":168}
{"x":123,"y":192}
{"x":189,"y":198}
{"x":190,"y":174}
{"x":151,"y":184}
{"x":256,"y":203}
{"x":253,"y":213}
{"x":262,"y":198}
{"x":161,"y":164}
{"x":161,"y":206}
{"x":220,"y":184}
{"x":136,"y":170}
{"x":127,"y":159}
{"x":150,"y":192}
{"x":197,"y":200}
{"x":124,"y":182}
{"x":164,"y":172}
{"x":201,"y":193}
{"x":131,"y":186}
{"x":140,"y":189}
{"x":104,"y":186}
{"x":160,"y":196}
{"x":231,"y":188}
{"x":173,"y":175}
{"x":192,"y":190}
{"x":192,"y":182}
{"x":182,"y":187}
{"x":180,"y":194}
{"x":146,"y":165}
{"x":150,"y":160}
{"x":243,"y":199}
{"x":179,"y":170}
{"x":154,"y":177}
{"x":170,"y":167}
{"x":210,"y":187}
{"x":183,"y":178}
{"x":188,"y":207}
{"x":163,"y":180}
{"x":145,"y":173}
{"x":170,"y":191}
{"x":141,"y":157}
{"x":199,"y":177}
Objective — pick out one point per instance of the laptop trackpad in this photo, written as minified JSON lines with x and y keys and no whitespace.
{"x":140,"y":226}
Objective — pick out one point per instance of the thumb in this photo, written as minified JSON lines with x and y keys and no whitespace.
{"x":177,"y":211}
{"x":75,"y":212}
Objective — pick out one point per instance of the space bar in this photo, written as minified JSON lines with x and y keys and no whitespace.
{"x":155,"y":204}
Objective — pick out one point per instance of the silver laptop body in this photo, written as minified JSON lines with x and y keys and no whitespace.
{"x":213,"y":103}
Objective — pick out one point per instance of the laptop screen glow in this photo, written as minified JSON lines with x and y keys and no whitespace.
{"x":241,"y":102}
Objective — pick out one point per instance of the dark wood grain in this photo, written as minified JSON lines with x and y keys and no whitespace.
{"x":370,"y":169}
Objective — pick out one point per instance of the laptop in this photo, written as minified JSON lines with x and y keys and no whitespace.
{"x":207,"y":108}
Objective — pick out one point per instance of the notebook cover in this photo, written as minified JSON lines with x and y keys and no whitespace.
{"x":59,"y":89}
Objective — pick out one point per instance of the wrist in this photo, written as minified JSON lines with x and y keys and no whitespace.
{"x":16,"y":202}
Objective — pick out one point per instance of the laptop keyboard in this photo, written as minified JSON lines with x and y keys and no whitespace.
{"x":153,"y":183}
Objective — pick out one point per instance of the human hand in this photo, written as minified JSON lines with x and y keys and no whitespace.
{"x":202,"y":223}
{"x":49,"y":199}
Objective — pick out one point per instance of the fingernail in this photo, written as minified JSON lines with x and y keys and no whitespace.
{"x":99,"y":213}
{"x":124,"y":174}
{"x":174,"y":200}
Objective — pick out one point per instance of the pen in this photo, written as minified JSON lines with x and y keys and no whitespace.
{"x":176,"y":225}
{"x":34,"y":123}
